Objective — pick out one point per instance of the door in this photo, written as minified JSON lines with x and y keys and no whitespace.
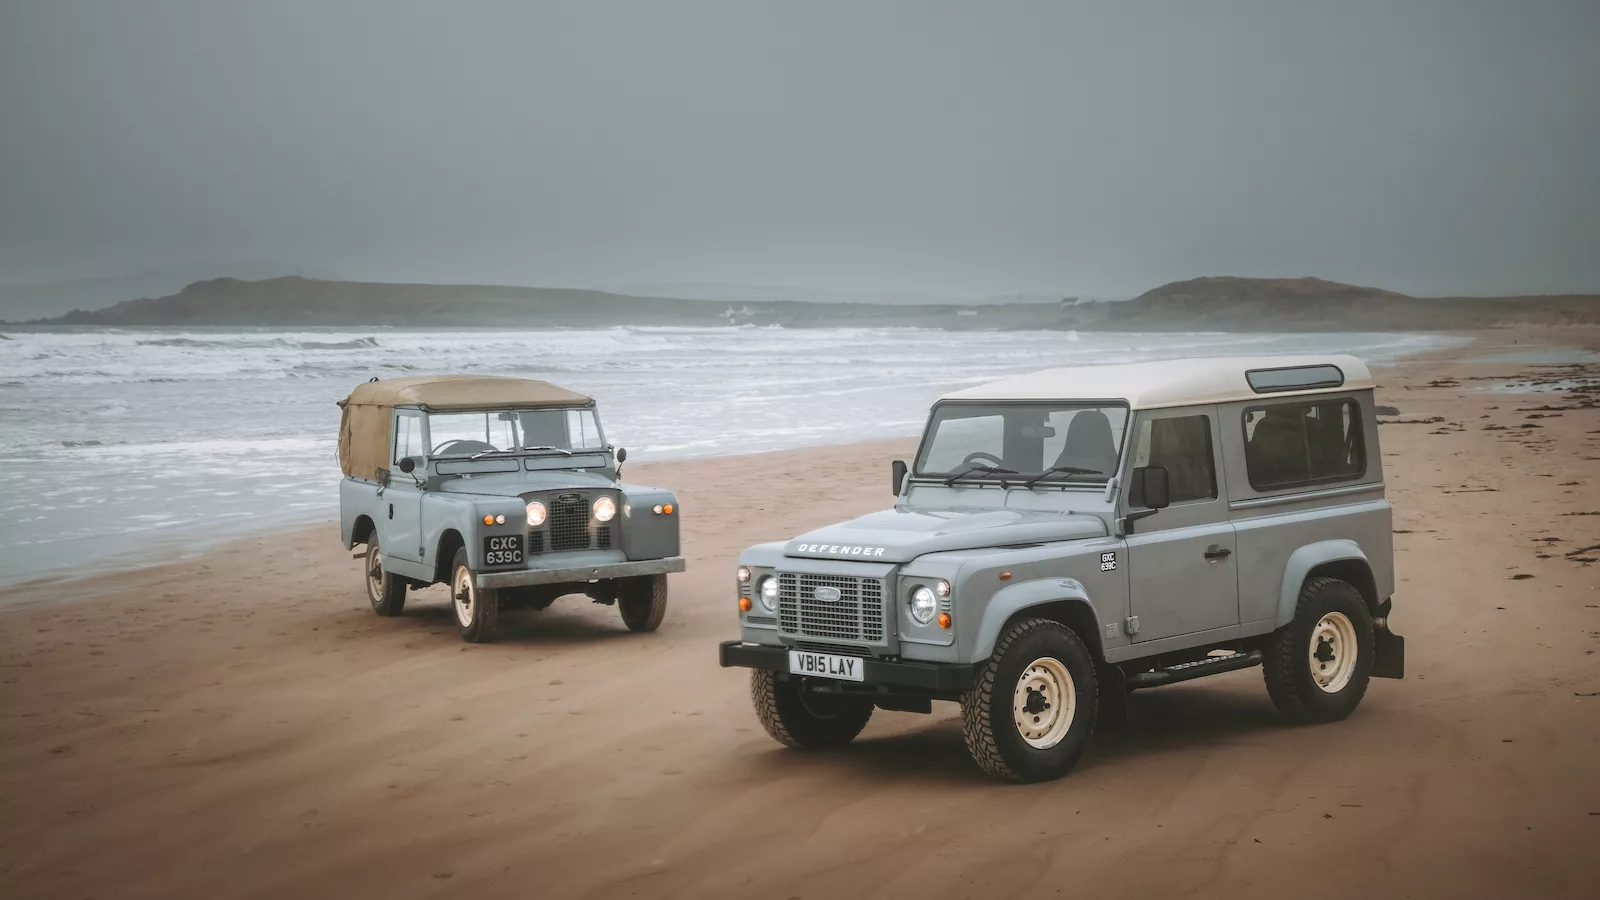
{"x":401,"y":533}
{"x":1182,"y":571}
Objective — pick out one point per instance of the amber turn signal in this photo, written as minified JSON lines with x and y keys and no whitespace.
{"x":744,"y":604}
{"x":488,"y":520}
{"x":666,"y":509}
{"x":1005,"y":576}
{"x":944,"y":620}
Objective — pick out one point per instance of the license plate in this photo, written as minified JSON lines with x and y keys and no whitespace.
{"x":825,"y":665}
{"x":502,"y":550}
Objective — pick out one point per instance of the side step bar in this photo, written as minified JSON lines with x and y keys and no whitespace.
{"x":1200,"y":668}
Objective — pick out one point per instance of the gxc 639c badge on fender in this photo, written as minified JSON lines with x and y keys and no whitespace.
{"x":502,"y":550}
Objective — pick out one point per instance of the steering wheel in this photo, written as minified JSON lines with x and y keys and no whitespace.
{"x":974,"y":456}
{"x":468,"y":448}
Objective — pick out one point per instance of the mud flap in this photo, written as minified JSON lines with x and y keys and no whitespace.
{"x":1389,"y":654}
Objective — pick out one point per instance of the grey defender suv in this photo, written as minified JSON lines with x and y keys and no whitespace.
{"x":506,"y":490}
{"x":1065,"y":537}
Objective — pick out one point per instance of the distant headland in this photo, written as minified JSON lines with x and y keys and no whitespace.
{"x":1212,"y":303}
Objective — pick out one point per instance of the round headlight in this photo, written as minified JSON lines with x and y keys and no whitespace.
{"x":744,"y":574}
{"x":924,"y":605}
{"x":605,"y":509}
{"x":769,"y":593}
{"x":536,"y":513}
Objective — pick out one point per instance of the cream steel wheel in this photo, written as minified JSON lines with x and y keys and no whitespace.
{"x":374,"y":573}
{"x":1333,"y":652}
{"x":464,"y":595}
{"x":477,"y":609}
{"x":1044,"y":703}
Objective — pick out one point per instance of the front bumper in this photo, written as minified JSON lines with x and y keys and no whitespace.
{"x":571,"y":574}
{"x":937,"y":677}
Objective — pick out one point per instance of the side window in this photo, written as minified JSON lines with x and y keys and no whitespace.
{"x":1293,"y":444}
{"x":1183,"y":446}
{"x":407,"y":437}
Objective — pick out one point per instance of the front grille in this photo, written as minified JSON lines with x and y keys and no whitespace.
{"x":536,"y":542}
{"x":856,"y":616}
{"x":569,"y":523}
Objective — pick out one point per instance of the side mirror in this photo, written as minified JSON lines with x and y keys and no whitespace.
{"x":1153,"y":489}
{"x":898,"y":469}
{"x":622,"y":455}
{"x":408,"y":465}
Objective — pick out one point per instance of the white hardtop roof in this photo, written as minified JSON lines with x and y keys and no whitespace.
{"x":1173,"y":382}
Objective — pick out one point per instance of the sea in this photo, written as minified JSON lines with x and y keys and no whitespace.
{"x":124,"y":447}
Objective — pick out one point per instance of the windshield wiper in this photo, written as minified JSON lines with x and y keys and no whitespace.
{"x":561,"y":450}
{"x":1059,"y":470}
{"x":487,"y":452}
{"x":979,"y":469}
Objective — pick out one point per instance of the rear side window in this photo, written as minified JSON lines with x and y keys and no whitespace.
{"x":1181,"y":445}
{"x":1294,"y":444}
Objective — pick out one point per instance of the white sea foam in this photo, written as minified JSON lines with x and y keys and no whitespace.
{"x":218,"y":432}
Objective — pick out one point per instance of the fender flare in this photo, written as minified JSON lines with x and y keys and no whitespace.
{"x":1300,"y":564}
{"x":1012,"y":599}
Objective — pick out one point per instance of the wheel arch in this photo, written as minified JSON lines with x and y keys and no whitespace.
{"x":1342,"y":559}
{"x":450,"y":540}
{"x":361,"y":530}
{"x":1057,"y":599}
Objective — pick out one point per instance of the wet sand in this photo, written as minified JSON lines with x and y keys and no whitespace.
{"x":241,"y":725}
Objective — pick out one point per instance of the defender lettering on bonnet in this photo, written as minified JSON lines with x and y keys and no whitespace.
{"x":841,"y":549}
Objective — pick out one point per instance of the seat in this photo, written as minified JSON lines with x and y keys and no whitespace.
{"x":1276,"y":451}
{"x":1090,"y":443}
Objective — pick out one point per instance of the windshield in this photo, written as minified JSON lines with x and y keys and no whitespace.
{"x":513,"y":431}
{"x":1025,"y":439}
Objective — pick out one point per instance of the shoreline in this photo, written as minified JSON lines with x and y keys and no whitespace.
{"x":197,"y":510}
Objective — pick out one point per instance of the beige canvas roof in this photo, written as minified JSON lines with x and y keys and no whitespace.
{"x":1173,"y":382}
{"x":364,"y":440}
{"x":464,"y":392}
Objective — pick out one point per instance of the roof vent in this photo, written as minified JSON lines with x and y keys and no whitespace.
{"x":1294,"y":378}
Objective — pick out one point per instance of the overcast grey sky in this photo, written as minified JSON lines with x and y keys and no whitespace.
{"x":956,"y":148}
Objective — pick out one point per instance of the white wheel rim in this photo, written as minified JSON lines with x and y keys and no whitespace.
{"x":1333,"y":652}
{"x":1044,"y":703}
{"x":464,"y":594}
{"x":374,"y":572}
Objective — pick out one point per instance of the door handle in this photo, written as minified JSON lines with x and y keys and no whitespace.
{"x":1214,"y":553}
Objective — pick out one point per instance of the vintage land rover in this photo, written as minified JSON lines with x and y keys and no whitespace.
{"x":1068,"y":536}
{"x":506,"y":490}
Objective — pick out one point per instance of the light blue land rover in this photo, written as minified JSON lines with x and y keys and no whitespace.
{"x":1065,"y":537}
{"x":506,"y":490}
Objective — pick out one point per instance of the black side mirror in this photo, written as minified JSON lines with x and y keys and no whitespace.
{"x":622,"y":455}
{"x":408,"y":465}
{"x":898,"y":468}
{"x":1153,"y":487}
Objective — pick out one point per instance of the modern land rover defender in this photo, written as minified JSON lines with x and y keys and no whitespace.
{"x":1065,"y":537}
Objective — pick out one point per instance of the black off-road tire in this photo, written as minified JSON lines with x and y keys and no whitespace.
{"x":386,"y":591}
{"x":806,"y":721}
{"x":987,"y":721}
{"x":643,"y":603}
{"x":1286,"y":660}
{"x":483,"y":607}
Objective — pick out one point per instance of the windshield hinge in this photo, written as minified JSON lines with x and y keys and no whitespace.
{"x":1131,"y":625}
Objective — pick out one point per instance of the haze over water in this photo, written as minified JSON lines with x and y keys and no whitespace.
{"x":128,"y":446}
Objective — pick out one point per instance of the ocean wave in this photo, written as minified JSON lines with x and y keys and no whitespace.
{"x":361,"y":343}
